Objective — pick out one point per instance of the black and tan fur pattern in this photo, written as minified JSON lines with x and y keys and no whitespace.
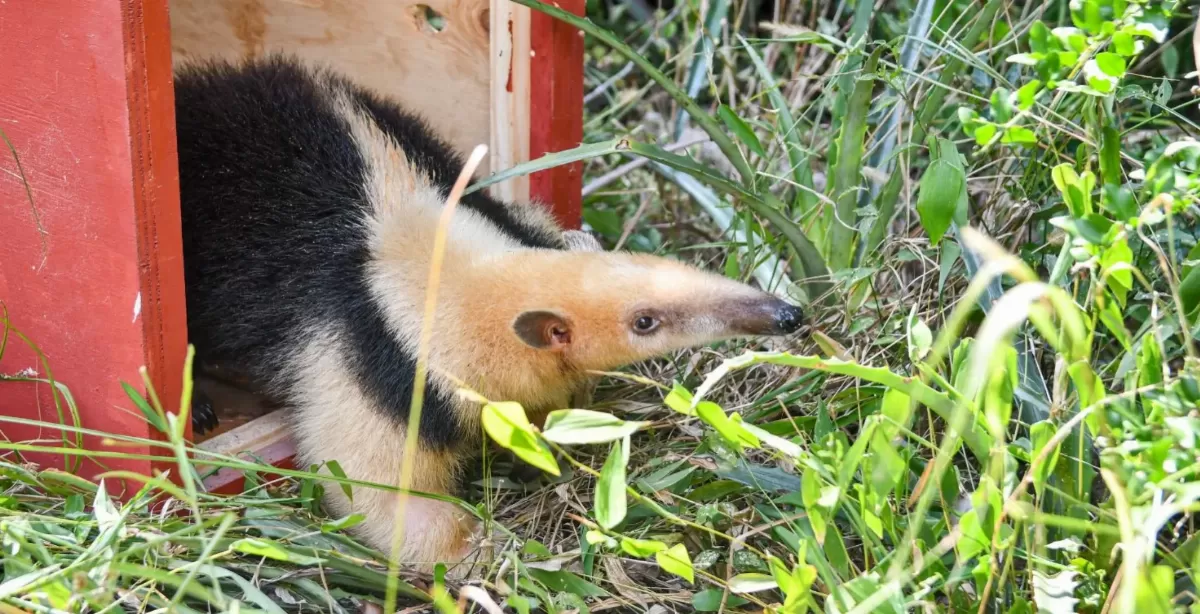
{"x":309,"y":209}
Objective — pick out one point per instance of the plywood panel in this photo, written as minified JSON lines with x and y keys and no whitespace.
{"x":91,"y":269}
{"x":388,"y":45}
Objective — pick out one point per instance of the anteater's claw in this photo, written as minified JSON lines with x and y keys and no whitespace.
{"x":204,"y":417}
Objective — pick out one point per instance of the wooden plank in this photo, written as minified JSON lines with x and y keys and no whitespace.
{"x":510,"y":117}
{"x":390,"y":46}
{"x":556,"y":101}
{"x":266,"y":438}
{"x":91,"y":270}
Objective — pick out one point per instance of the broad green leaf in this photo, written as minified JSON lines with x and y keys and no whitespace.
{"x":854,"y":455}
{"x":887,"y":466}
{"x":731,"y":431}
{"x":710,"y":600}
{"x":985,"y":133}
{"x":1123,"y":43}
{"x":897,"y":408}
{"x":1110,"y":156}
{"x":1065,"y":178}
{"x":583,"y":426}
{"x":1039,"y":37}
{"x":1119,"y":201}
{"x":610,"y":488}
{"x":1040,"y":435}
{"x":1114,"y":262}
{"x":1155,"y":589}
{"x":1001,"y":104}
{"x":506,"y":423}
{"x":680,"y":400}
{"x":1112,"y":64}
{"x":937,"y":197}
{"x":1027,"y":94}
{"x":1018,"y":134}
{"x":675,"y":560}
{"x":835,"y":551}
{"x":641,"y":548}
{"x":566,"y":582}
{"x":740,"y":129}
{"x":1189,"y":285}
{"x":1150,"y":361}
{"x":742,"y":584}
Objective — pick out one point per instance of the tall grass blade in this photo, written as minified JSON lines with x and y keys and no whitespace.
{"x":885,"y":203}
{"x":550,"y":160}
{"x":847,"y":175}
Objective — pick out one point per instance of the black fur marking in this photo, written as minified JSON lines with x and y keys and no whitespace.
{"x":274,"y":228}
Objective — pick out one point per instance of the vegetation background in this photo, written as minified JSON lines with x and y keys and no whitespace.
{"x":988,"y":209}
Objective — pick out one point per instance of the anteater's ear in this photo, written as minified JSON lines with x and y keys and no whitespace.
{"x":544,"y":330}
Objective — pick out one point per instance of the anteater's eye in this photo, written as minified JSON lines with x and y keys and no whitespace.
{"x":645,"y":324}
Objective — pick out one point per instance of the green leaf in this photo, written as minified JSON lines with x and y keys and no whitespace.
{"x":152,"y":417}
{"x":985,"y":133}
{"x":1039,"y":37}
{"x":1027,"y":94}
{"x":1150,"y":361}
{"x":610,"y":488}
{"x":810,"y":494}
{"x":1040,"y":435}
{"x":1017,"y":135}
{"x":1112,"y":64}
{"x":1118,"y":200}
{"x":582,"y":426}
{"x":1122,"y":42}
{"x":336,"y":469}
{"x":550,"y":160}
{"x":740,"y":129}
{"x":896,"y":407}
{"x":886,"y":464}
{"x":343,"y":523}
{"x":1115,"y":261}
{"x":1001,"y":104}
{"x":731,"y":431}
{"x":744,"y":583}
{"x":975,"y":437}
{"x":710,"y":600}
{"x":680,"y":400}
{"x":1110,"y":156}
{"x":937,"y":197}
{"x":675,"y":560}
{"x":1155,"y":588}
{"x":566,"y":582}
{"x":505,"y":422}
{"x":920,"y":338}
{"x":271,"y":550}
{"x":641,"y":548}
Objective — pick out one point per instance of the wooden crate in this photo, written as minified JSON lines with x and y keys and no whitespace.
{"x":90,"y":262}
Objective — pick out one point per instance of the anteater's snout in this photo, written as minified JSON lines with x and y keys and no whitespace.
{"x":788,"y":319}
{"x":766,"y":315}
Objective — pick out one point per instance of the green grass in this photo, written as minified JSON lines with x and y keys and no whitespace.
{"x":993,"y":228}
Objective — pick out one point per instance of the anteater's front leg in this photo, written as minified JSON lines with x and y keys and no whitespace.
{"x":335,"y":421}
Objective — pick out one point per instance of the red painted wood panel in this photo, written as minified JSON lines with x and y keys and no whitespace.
{"x":556,"y":110}
{"x":88,"y":106}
